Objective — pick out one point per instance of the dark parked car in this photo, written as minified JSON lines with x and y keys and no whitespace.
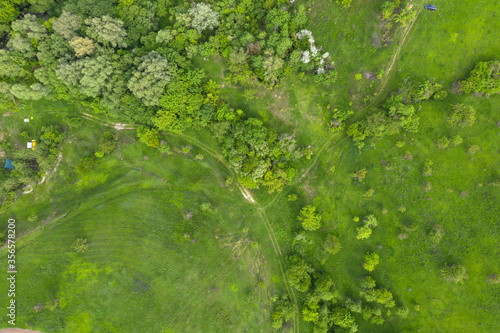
{"x":430,"y":7}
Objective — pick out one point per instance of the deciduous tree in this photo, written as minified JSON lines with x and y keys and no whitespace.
{"x":150,"y":78}
{"x":106,"y":30}
{"x":310,"y":219}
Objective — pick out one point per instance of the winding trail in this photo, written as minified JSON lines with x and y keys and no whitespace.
{"x":406,"y":32}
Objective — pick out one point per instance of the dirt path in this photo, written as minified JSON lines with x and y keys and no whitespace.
{"x":116,"y":126}
{"x":406,"y":32}
{"x":21,"y":236}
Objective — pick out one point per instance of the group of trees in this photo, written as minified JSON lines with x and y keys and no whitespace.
{"x":397,"y":113}
{"x":321,"y":300}
{"x":119,"y":59}
{"x":369,"y":222}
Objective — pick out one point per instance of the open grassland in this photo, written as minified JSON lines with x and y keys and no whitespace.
{"x":155,"y":261}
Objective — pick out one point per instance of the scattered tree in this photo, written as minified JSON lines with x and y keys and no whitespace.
{"x":310,"y":219}
{"x":371,"y":260}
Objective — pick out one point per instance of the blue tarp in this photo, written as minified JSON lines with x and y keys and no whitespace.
{"x":9,"y":165}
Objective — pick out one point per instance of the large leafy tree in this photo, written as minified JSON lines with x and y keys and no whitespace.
{"x":82,"y":46}
{"x":11,"y":65}
{"x":203,"y":17}
{"x":139,"y":19}
{"x":107,"y":31}
{"x":150,"y":78}
{"x":67,"y":25}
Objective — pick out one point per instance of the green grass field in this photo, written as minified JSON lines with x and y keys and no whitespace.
{"x":158,"y":262}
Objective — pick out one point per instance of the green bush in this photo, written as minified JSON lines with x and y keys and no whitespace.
{"x":310,"y":219}
{"x":149,"y":136}
{"x":454,"y":273}
{"x":462,"y":115}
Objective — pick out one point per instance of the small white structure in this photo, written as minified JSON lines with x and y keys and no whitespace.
{"x":29,"y":145}
{"x":26,"y":120}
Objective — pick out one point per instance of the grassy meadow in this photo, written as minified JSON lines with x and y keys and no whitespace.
{"x":159,"y":260}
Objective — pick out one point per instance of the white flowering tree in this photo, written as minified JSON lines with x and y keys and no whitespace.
{"x":313,"y":53}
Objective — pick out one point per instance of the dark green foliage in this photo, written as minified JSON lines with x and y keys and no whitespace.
{"x":332,"y":245}
{"x":91,"y":8}
{"x":86,"y":164}
{"x":298,"y":273}
{"x":454,"y":273}
{"x":283,"y":312}
{"x":462,"y":115}
{"x":107,"y":143}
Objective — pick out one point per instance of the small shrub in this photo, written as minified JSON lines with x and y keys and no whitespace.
{"x":462,"y":115}
{"x":208,"y":208}
{"x":436,"y":234}
{"x":402,"y":312}
{"x":473,"y":149}
{"x":369,"y":193}
{"x":443,"y":143}
{"x":86,"y":164}
{"x":402,"y":236}
{"x":363,"y":232}
{"x":428,"y":167}
{"x":427,"y":186}
{"x":332,"y":245}
{"x":107,"y":143}
{"x":355,"y":219}
{"x":164,"y":148}
{"x":454,"y":273}
{"x":440,"y":95}
{"x":456,"y":140}
{"x":310,"y":219}
{"x":199,"y":157}
{"x":33,"y":218}
{"x":186,"y":149}
{"x":402,"y":209}
{"x":493,"y":279}
{"x":80,"y":245}
{"x":360,"y":175}
{"x":149,"y":136}
{"x":292,"y":197}
{"x":400,"y":144}
{"x":370,"y":221}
